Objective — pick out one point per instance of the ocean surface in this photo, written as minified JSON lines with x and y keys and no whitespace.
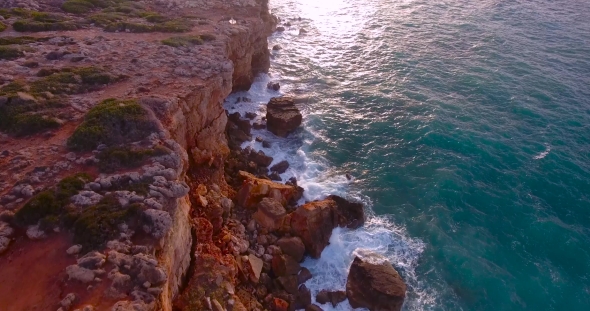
{"x":466,"y":128}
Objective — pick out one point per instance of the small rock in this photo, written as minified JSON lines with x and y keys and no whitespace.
{"x":277,"y":48}
{"x":280,"y":29}
{"x":74,"y":249}
{"x":68,"y":301}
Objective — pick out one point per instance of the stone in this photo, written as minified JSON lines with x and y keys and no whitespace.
{"x":260,"y":158}
{"x":158,"y":222}
{"x":280,"y":167}
{"x":313,"y":222}
{"x":35,"y":233}
{"x":293,"y":247}
{"x":277,"y":47}
{"x":284,"y":265}
{"x":280,"y":29}
{"x":78,"y":273}
{"x":4,"y":243}
{"x":289,"y":283}
{"x":374,"y":284}
{"x":68,"y":301}
{"x":304,"y":296}
{"x":92,"y":260}
{"x":254,"y":268}
{"x":282,"y":116}
{"x":275,"y":176}
{"x":333,"y":297}
{"x":304,"y":275}
{"x":279,"y":304}
{"x":348,"y":214}
{"x":254,"y":189}
{"x":313,"y":308}
{"x":270,"y":214}
{"x":275,"y":86}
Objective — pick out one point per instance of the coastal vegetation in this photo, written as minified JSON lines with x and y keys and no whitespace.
{"x":188,"y":40}
{"x":112,"y":122}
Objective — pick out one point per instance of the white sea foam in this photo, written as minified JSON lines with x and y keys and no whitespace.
{"x":543,"y":154}
{"x":319,"y":180}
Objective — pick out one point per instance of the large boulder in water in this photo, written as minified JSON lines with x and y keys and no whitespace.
{"x":313,"y":222}
{"x":374,"y":284}
{"x":282,"y":116}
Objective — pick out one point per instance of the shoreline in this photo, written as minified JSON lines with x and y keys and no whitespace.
{"x":139,"y":186}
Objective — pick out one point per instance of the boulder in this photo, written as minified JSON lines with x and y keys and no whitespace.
{"x":260,"y":158}
{"x":304,"y":275}
{"x":313,"y":308}
{"x":313,"y":222}
{"x":282,"y":116}
{"x":253,"y":266}
{"x":280,"y":167}
{"x":348,"y":214}
{"x":285,"y":265}
{"x":254,"y":189}
{"x":270,"y":214}
{"x":293,"y":247}
{"x":279,"y":304}
{"x":374,"y":284}
{"x":275,"y":86}
{"x":333,"y":297}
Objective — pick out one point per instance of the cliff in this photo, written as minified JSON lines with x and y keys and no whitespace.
{"x":178,"y":75}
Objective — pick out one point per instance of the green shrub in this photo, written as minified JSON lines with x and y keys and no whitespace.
{"x":155,"y":18}
{"x":183,"y":41}
{"x":5,"y":13}
{"x":175,"y":25}
{"x":21,"y":40}
{"x":112,"y":122}
{"x":98,"y":224}
{"x":40,"y":206}
{"x":19,"y":117}
{"x":71,"y":80}
{"x":50,"y":204}
{"x":114,"y":158}
{"x":2,"y":27}
{"x":77,"y":6}
{"x":29,"y":124}
{"x":7,"y":52}
{"x":42,"y":21}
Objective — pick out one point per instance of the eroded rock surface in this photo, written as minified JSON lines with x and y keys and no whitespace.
{"x":374,"y":284}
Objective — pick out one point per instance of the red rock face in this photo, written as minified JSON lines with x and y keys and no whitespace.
{"x":374,"y":284}
{"x":314,"y":221}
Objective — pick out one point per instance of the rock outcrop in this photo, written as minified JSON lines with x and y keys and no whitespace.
{"x":282,"y":116}
{"x":374,"y":284}
{"x":254,"y":189}
{"x":314,"y":221}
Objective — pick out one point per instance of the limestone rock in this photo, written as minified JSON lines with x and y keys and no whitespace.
{"x":284,"y":265}
{"x":313,"y":222}
{"x":282,"y":116}
{"x":78,"y":273}
{"x":254,"y":267}
{"x":74,"y":249}
{"x":254,"y":189}
{"x":35,"y":233}
{"x":270,"y":214}
{"x":374,"y":284}
{"x":158,"y":222}
{"x":293,"y":247}
{"x":280,"y":167}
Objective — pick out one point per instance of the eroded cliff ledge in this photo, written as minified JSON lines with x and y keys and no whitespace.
{"x":168,"y":66}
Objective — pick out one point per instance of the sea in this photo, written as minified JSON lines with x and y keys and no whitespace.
{"x":465,"y":126}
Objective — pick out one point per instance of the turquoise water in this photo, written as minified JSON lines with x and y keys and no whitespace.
{"x":466,"y":125}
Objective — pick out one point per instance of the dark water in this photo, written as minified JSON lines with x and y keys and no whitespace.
{"x":466,"y":125}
